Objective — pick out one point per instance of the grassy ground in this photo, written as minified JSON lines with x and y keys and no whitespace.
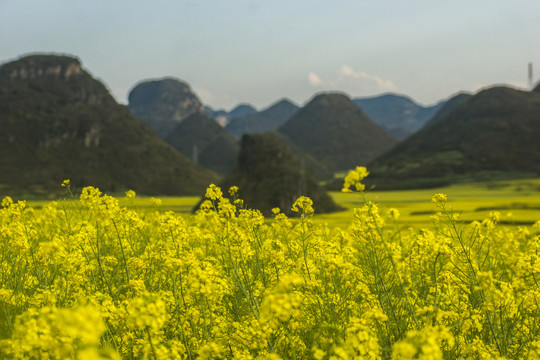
{"x":474,"y":201}
{"x":518,"y":198}
{"x":182,"y":205}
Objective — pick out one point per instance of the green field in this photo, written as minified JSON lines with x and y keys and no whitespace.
{"x":520,"y":198}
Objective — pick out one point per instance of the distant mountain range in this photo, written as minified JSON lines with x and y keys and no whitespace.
{"x":493,"y":133}
{"x":242,"y":110}
{"x":223,"y":117}
{"x":268,"y":119}
{"x":397,"y":114}
{"x":57,"y":122}
{"x":328,"y":134}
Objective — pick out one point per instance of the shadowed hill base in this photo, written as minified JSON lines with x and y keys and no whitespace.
{"x":201,"y":136}
{"x":269,"y":176}
{"x":307,"y":161}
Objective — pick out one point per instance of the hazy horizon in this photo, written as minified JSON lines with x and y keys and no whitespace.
{"x":252,"y":52}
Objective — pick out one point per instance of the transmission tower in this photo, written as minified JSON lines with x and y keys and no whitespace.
{"x":530,"y":68}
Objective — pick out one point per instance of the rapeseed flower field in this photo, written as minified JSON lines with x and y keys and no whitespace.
{"x":91,"y":279}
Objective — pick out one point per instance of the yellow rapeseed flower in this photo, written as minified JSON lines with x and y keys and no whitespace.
{"x":155,"y":201}
{"x":393,"y":213}
{"x":233,"y":190}
{"x":439,"y":198}
{"x":213,"y":192}
{"x":354,"y":178}
{"x":7,"y":202}
{"x":81,"y":277}
{"x":303,"y":205}
{"x":130,"y":194}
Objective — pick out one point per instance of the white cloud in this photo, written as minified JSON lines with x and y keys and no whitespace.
{"x":346,"y":74}
{"x":352,"y":81}
{"x":314,"y":79}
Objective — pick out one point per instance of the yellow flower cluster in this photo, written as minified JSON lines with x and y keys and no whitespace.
{"x":90,"y":279}
{"x":354,"y":178}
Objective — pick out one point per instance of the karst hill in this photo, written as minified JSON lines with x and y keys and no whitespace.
{"x":492,"y":133}
{"x":270,"y":176}
{"x":163,"y":103}
{"x":336,"y":132}
{"x":58,"y":122}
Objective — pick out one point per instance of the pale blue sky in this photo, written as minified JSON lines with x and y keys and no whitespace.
{"x":233,"y":51}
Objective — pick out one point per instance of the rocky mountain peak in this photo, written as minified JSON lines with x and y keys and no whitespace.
{"x":43,"y":66}
{"x":163,"y":103}
{"x":53,"y":75}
